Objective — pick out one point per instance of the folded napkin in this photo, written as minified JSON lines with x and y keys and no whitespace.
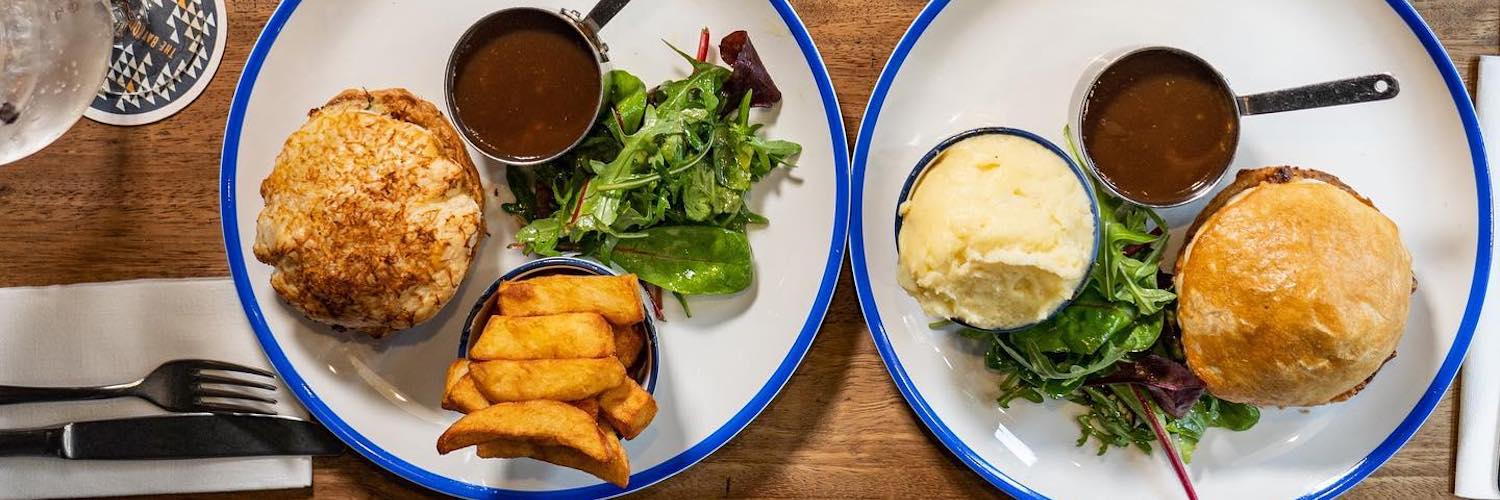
{"x":1476,"y":474}
{"x":109,"y":333}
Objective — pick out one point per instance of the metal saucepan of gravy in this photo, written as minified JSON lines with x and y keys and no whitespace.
{"x":525,"y":84}
{"x":1159,"y":126}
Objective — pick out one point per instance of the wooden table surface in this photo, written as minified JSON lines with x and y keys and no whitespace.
{"x":108,"y":203}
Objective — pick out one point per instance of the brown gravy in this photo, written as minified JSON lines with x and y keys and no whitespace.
{"x":1159,"y":125}
{"x":527,"y":86}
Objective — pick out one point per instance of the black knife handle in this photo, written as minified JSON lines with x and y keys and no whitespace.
{"x":31,"y":442}
{"x":10,"y":394}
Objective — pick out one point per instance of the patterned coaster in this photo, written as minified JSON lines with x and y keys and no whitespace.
{"x":167,"y":57}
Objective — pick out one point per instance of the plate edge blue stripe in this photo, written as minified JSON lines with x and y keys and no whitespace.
{"x":642,"y":479}
{"x":861,"y":272}
{"x":1382,"y":452}
{"x":1477,"y":288}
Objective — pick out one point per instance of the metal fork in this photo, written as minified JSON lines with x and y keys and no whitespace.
{"x":177,"y":386}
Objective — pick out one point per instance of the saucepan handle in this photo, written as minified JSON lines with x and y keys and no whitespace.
{"x":1376,"y":87}
{"x":602,"y":13}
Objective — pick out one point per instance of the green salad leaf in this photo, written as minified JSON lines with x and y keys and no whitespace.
{"x":1118,"y":274}
{"x":659,"y":185}
{"x":1208,"y":413}
{"x":692,"y":260}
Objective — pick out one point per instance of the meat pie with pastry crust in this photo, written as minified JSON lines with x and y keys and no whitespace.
{"x":1293,"y":290}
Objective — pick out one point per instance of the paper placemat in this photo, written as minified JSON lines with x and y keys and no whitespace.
{"x":109,"y":333}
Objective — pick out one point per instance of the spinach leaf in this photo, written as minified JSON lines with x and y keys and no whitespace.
{"x":1143,"y":333}
{"x":627,"y":98}
{"x":1081,"y":328}
{"x":1235,"y":416}
{"x":1208,"y":413}
{"x":688,"y":259}
{"x":1187,"y":430}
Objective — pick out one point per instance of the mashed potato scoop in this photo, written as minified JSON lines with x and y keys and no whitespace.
{"x":997,"y":230}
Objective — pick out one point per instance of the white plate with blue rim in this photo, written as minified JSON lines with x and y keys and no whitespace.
{"x":714,"y":371}
{"x":967,"y":64}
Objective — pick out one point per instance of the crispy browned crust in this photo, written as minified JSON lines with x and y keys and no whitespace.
{"x":1361,"y":386}
{"x":381,"y":274}
{"x":1283,"y":174}
{"x":1247,"y":179}
{"x":1292,"y":316}
{"x":403,"y":105}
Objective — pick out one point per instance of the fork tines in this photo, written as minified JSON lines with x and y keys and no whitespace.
{"x":205,"y":397}
{"x":209,"y":364}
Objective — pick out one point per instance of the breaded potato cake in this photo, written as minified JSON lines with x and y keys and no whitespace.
{"x":373,"y":213}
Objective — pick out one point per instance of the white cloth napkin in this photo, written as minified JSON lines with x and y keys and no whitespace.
{"x":1476,"y":474}
{"x":109,"y":333}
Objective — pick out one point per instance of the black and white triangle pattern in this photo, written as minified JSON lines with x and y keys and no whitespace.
{"x":143,"y":77}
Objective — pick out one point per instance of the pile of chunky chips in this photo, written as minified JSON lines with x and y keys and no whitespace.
{"x":547,"y":377}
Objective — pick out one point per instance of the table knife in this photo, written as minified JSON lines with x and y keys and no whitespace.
{"x":199,"y":435}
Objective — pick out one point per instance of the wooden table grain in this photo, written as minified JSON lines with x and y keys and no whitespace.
{"x":108,"y":203}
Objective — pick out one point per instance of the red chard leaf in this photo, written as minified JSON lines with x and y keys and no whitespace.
{"x":1170,"y":383}
{"x":749,"y":75}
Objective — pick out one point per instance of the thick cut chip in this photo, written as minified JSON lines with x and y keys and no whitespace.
{"x":590,"y":406}
{"x":571,"y":335}
{"x":506,"y":448}
{"x":552,"y":423}
{"x":628,"y":408}
{"x":460,"y":393}
{"x":628,"y":343}
{"x":465,"y":397}
{"x":616,"y":470}
{"x":617,"y":298}
{"x":456,"y":370}
{"x":556,"y":379}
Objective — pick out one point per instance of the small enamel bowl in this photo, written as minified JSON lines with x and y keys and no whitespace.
{"x":644,"y":371}
{"x":1083,"y":179}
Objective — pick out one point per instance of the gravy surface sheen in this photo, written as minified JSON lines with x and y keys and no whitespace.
{"x":527,"y":86}
{"x":1159,"y":125}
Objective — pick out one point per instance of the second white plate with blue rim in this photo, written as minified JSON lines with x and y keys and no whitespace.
{"x":717,"y":369}
{"x":966,"y":64}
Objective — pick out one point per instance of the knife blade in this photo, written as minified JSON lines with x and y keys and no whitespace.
{"x":197,"y":435}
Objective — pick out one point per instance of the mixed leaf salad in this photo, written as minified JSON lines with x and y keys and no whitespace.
{"x":1115,"y":348}
{"x":658,"y":186}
